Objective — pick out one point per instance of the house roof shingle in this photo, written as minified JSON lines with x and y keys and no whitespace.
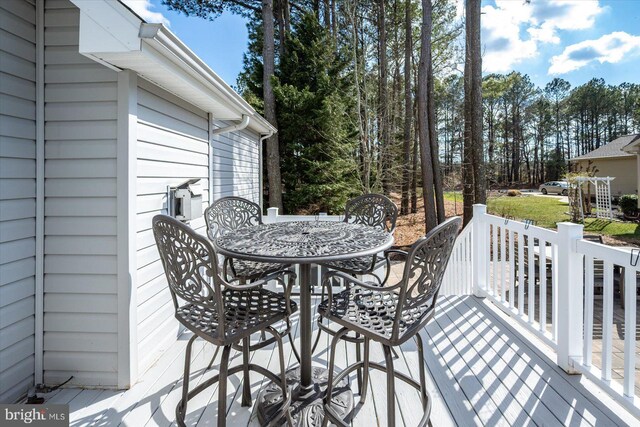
{"x":612,"y":149}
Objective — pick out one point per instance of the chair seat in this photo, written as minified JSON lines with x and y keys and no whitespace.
{"x":372,"y":313}
{"x":352,"y":265}
{"x":253,"y":269}
{"x":245,"y":312}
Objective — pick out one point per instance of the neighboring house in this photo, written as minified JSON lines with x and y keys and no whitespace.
{"x":614,"y":160}
{"x":99,"y":113}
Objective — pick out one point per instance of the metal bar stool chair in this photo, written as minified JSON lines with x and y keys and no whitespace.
{"x":374,"y":210}
{"x":391,"y":316}
{"x":229,"y":214}
{"x":219,"y":312}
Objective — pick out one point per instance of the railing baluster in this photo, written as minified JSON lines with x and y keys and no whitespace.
{"x":531,"y":300}
{"x":542,"y":258}
{"x":512,"y":273}
{"x":494,"y":259}
{"x":607,"y":320}
{"x":629,"y":331}
{"x":503,"y":264}
{"x":554,"y":291}
{"x":588,"y":311}
{"x":521,"y":274}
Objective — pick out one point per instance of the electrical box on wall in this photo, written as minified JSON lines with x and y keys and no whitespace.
{"x":185,"y":200}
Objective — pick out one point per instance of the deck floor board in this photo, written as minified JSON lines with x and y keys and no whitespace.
{"x":481,"y":370}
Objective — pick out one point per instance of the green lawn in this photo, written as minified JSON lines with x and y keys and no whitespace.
{"x":548,"y":211}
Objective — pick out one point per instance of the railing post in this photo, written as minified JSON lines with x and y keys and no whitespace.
{"x":479,"y":242}
{"x":272,"y":216}
{"x":570,"y":293}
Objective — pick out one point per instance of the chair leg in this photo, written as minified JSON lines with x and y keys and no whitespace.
{"x":332,"y":365}
{"x":391,"y":387}
{"x":423,"y":381}
{"x":317,"y":340}
{"x":181,"y":410}
{"x":293,"y":347}
{"x":222,"y":387}
{"x":246,"y":380}
{"x":365,"y":377}
{"x":215,"y":354}
{"x":359,"y":359}
{"x":283,"y":378}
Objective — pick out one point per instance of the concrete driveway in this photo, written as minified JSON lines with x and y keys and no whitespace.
{"x":555,"y":196}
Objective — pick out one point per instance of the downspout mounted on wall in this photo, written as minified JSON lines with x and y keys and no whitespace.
{"x":261,"y":174}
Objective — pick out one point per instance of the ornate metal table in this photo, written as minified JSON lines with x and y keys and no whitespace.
{"x":304,"y":243}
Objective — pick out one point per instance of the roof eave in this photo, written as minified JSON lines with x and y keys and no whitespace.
{"x":112,"y":34}
{"x":581,"y":158}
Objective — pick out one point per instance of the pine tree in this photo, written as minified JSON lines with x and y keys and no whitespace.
{"x":316,"y":115}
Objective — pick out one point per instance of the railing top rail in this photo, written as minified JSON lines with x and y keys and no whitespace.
{"x":520,"y":227}
{"x":624,"y":257}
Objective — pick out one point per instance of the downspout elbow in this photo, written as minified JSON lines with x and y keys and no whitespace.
{"x":232,"y":128}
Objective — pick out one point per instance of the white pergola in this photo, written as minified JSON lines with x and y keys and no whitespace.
{"x":602,"y":186}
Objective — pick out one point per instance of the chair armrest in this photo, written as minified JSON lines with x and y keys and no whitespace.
{"x":263,"y":281}
{"x":396,"y":251}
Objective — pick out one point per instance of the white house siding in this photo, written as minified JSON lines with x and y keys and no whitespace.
{"x":172,"y":148}
{"x":236,"y":164}
{"x":17,"y":196}
{"x":80,"y":300}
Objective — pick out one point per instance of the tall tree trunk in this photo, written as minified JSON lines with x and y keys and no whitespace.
{"x":468,"y":197}
{"x":477,"y":146}
{"x":273,"y":149}
{"x":327,"y":14}
{"x":279,"y":10}
{"x":414,"y":161}
{"x":334,"y":20}
{"x":433,"y":139}
{"x":423,"y":118}
{"x":408,"y":112}
{"x":383,"y":115}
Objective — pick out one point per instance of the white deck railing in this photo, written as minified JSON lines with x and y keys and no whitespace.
{"x":458,"y":279}
{"x":514,"y":262}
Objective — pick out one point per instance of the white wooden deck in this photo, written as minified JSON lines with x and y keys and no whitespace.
{"x":482,"y":371}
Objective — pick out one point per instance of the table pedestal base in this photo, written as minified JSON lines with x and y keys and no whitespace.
{"x":307,"y":409}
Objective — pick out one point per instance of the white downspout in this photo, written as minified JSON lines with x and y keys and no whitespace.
{"x":261,"y":174}
{"x":232,"y":128}
{"x":39,"y":278}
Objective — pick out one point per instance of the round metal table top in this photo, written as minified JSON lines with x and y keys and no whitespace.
{"x":303,"y":242}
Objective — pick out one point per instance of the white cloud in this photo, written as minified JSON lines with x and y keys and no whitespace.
{"x":503,"y":46}
{"x":143,"y":9}
{"x":610,"y":48}
{"x":513,"y":31}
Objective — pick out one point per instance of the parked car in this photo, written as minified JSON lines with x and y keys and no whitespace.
{"x":555,"y":187}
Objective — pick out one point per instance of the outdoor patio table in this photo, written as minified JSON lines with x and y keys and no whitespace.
{"x":304,"y":243}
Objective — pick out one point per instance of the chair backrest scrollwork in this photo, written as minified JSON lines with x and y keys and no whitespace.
{"x":189,"y":262}
{"x":229,"y":214}
{"x":374,"y":210}
{"x":425,"y":267}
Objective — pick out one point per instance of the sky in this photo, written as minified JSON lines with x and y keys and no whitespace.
{"x":572,"y":39}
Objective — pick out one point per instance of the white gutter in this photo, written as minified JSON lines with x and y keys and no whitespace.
{"x":171,"y":46}
{"x":232,"y":128}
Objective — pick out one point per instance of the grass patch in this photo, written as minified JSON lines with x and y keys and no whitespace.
{"x":547,"y":212}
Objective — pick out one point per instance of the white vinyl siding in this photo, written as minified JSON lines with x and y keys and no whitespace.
{"x":17,"y":196}
{"x":172,"y":147}
{"x":80,"y":282}
{"x":236,"y":164}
